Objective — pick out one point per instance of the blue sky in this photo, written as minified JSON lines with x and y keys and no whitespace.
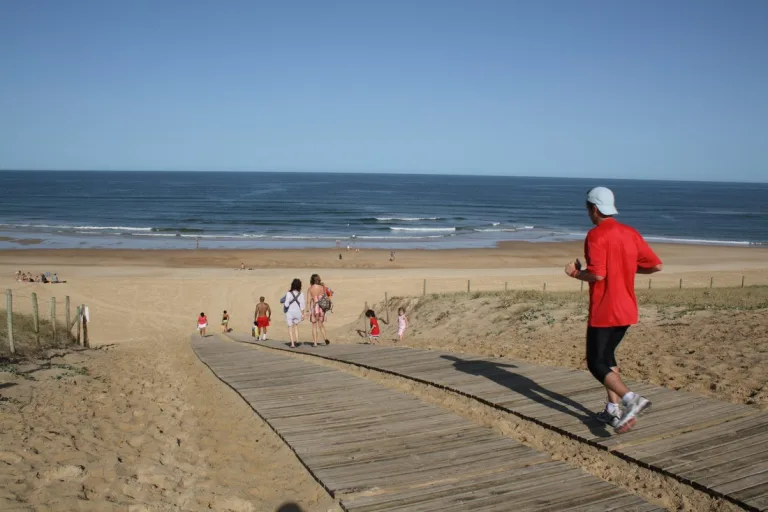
{"x":650,"y":89}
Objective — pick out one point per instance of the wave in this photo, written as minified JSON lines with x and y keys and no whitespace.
{"x":406,"y":219}
{"x":89,"y":228}
{"x":697,"y":241}
{"x":400,"y":238}
{"x":436,"y":230}
{"x":176,"y":230}
{"x":678,"y":240}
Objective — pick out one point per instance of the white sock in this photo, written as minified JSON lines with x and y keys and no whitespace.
{"x":628,"y":397}
{"x":612,"y":408}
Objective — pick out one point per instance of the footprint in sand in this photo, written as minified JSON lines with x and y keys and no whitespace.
{"x":232,"y":504}
{"x":64,"y":473}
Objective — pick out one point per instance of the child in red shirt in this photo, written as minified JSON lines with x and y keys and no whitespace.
{"x":374,"y":334}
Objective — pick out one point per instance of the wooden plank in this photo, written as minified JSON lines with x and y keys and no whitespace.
{"x":684,"y":432}
{"x":720,"y":434}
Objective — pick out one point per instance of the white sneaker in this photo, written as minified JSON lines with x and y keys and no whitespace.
{"x":609,"y":418}
{"x":632,"y":410}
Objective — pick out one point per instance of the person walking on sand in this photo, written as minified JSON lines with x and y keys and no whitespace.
{"x":262,"y":317}
{"x":225,"y":322}
{"x":402,"y":323}
{"x":294,"y":306}
{"x":614,"y":253}
{"x":318,"y":303}
{"x":202,"y":323}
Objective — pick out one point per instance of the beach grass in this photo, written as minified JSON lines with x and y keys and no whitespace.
{"x":29,"y":344}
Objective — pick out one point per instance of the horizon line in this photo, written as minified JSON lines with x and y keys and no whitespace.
{"x":385,"y":173}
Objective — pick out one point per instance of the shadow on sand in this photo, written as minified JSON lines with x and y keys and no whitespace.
{"x":499,"y":373}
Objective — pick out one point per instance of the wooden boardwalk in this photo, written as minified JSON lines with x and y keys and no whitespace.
{"x":376,"y":449}
{"x":715,"y":446}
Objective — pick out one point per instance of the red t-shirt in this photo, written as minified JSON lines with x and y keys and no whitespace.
{"x":374,"y":327}
{"x":615,"y":251}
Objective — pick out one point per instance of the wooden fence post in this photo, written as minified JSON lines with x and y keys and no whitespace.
{"x":545,"y":286}
{"x":742,"y":281}
{"x":85,"y":328}
{"x":67,"y":316}
{"x":467,"y":285}
{"x":681,"y":284}
{"x":582,"y":287}
{"x":9,"y":310}
{"x":53,"y":318}
{"x":386,"y":305}
{"x":505,"y":286}
{"x":711,"y":280}
{"x":78,"y":321}
{"x":424,"y":291}
{"x":35,"y":319}
{"x":649,"y":283}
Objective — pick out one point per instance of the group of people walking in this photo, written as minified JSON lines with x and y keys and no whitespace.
{"x":315,"y":306}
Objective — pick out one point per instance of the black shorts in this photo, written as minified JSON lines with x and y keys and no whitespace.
{"x":601,"y":347}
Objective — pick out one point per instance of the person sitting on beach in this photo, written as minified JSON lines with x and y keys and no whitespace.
{"x":319,"y":304}
{"x":202,"y":323}
{"x":262,"y":317}
{"x":17,"y":275}
{"x":294,"y":306}
{"x":55,"y":278}
{"x":43,"y":279}
{"x":373,"y":336}
{"x":225,"y":322}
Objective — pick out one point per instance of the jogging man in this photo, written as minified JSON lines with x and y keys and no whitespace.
{"x":614,"y":253}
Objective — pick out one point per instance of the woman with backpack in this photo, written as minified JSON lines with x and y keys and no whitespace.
{"x":319,"y":304}
{"x":293,"y":307}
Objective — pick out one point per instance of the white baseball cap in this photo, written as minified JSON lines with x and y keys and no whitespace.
{"x":602,"y":198}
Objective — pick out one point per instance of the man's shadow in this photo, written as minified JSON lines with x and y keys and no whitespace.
{"x":530,"y":389}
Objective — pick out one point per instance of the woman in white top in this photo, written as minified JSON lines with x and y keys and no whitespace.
{"x":294,"y":305}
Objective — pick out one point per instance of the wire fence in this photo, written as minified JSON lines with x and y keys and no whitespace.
{"x":520,"y":283}
{"x":477,"y":286}
{"x":34,"y":323}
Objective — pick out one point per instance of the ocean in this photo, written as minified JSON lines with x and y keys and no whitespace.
{"x":164,"y":210}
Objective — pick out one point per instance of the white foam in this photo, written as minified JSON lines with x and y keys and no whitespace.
{"x":90,"y":228}
{"x":695,"y":241}
{"x":436,"y":230}
{"x":408,"y":219}
{"x":401,"y":238}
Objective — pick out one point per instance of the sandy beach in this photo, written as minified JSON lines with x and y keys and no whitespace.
{"x":149,"y":425}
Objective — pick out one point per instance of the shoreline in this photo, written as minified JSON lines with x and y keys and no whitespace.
{"x":521,"y":254}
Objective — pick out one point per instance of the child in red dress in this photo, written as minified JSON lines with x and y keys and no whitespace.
{"x":375,"y":332}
